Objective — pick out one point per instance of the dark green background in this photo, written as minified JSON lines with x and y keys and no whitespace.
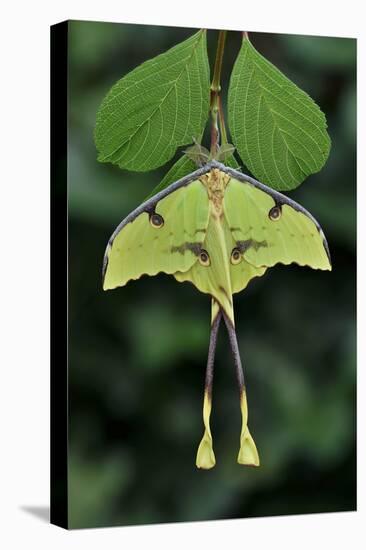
{"x":138,"y":354}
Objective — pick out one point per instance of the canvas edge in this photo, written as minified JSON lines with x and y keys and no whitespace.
{"x":59,"y":276}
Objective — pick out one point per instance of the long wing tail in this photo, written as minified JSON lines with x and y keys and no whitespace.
{"x":248,"y":454}
{"x":205,"y":454}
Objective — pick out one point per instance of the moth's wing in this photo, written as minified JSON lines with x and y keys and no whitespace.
{"x":213,"y":277}
{"x":268,"y":228}
{"x":139,"y":247}
{"x":220,"y":278}
{"x":243,"y":272}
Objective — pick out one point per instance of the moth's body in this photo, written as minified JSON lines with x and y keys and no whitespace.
{"x":216,"y":246}
{"x":218,"y":229}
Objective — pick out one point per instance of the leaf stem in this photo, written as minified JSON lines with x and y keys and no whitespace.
{"x":215,"y":86}
{"x":222,"y":122}
{"x":215,"y":93}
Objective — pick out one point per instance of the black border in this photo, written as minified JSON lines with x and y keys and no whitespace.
{"x":59,"y":277}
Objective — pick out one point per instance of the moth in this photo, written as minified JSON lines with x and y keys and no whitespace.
{"x":217,"y":228}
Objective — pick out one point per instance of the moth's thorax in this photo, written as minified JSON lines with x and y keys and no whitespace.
{"x":216,"y":182}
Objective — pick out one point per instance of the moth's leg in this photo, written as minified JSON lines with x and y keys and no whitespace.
{"x":248,"y":453}
{"x":205,"y":455}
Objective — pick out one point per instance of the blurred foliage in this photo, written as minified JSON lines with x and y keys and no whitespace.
{"x":138,"y":354}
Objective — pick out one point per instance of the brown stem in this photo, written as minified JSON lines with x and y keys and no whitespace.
{"x":215,"y":86}
{"x":215,"y":92}
{"x":222,"y":122}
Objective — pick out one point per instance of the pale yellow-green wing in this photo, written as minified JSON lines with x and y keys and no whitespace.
{"x":211,"y":274}
{"x":268,"y":228}
{"x":217,"y":273}
{"x":241,"y":271}
{"x":163,"y":235}
{"x":223,"y":276}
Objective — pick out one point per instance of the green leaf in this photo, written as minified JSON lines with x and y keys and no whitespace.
{"x":157,"y":107}
{"x":233,"y":163}
{"x":181,"y":168}
{"x":278,"y":130}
